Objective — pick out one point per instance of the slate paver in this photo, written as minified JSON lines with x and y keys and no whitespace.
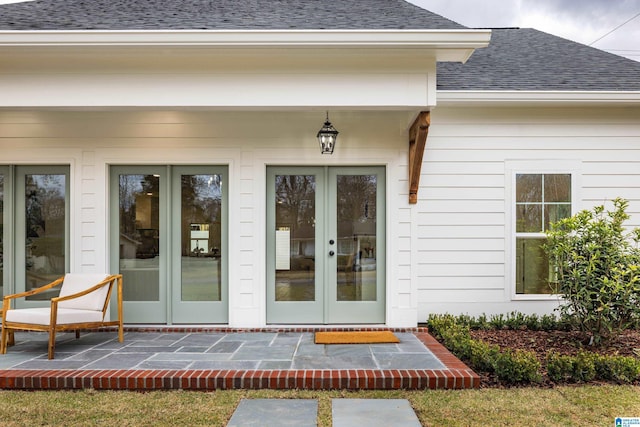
{"x":275,"y":413}
{"x":373,"y":413}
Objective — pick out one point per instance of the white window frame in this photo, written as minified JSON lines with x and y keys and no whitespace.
{"x":537,"y":167}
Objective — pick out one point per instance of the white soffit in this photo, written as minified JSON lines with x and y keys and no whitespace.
{"x":447,"y":45}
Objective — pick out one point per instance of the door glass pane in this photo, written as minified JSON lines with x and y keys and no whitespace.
{"x":45,"y":219}
{"x":201,"y":237}
{"x":356,"y":224}
{"x":295,"y":237}
{"x":139,"y":218}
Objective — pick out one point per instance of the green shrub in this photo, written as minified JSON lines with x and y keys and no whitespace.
{"x":560,"y":367}
{"x":598,"y":270}
{"x":455,"y":337}
{"x":497,"y":321}
{"x":521,"y":367}
{"x":483,"y":356}
{"x":517,"y":367}
{"x":580,"y":368}
{"x":584,"y":366}
{"x":622,"y":369}
{"x":587,"y":367}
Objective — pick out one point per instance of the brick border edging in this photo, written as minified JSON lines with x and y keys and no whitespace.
{"x":456,"y":375}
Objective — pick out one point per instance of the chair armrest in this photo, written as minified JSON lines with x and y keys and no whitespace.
{"x":7,"y":298}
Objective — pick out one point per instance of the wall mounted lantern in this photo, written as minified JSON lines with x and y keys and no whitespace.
{"x":327,"y":137}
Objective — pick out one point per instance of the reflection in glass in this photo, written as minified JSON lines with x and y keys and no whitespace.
{"x":356,"y":224}
{"x":532,"y":267}
{"x":295,"y":237}
{"x":554,"y":213}
{"x":528,"y":188}
{"x":528,"y":218}
{"x":557,"y":188}
{"x":45,"y":219}
{"x":201,"y":237}
{"x":537,"y":194}
{"x":139,"y":212}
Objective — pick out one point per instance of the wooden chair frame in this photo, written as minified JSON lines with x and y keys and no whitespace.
{"x":9,"y":327}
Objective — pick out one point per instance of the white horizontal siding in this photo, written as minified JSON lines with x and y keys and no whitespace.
{"x":463,"y":282}
{"x":461,"y":237}
{"x":425,"y":244}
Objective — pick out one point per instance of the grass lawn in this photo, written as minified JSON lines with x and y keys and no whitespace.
{"x":566,"y":406}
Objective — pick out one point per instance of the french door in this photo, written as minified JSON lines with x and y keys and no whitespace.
{"x":169,"y":242}
{"x":325,"y":245}
{"x":34,"y":229}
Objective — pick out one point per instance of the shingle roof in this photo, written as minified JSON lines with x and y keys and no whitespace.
{"x":527,"y":59}
{"x":218,"y":14}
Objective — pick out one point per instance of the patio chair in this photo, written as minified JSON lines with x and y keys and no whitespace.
{"x":83,"y":303}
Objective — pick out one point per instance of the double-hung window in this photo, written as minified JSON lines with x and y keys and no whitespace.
{"x":542,"y":192}
{"x":540,"y":200}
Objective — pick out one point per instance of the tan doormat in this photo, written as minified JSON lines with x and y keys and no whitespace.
{"x":356,"y":337}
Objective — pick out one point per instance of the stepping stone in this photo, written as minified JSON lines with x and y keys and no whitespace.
{"x":373,"y":413}
{"x":275,"y":413}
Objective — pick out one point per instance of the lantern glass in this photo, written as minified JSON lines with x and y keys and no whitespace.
{"x":327,"y":137}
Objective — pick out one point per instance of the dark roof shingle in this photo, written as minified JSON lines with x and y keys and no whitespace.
{"x":528,"y":59}
{"x":218,"y":15}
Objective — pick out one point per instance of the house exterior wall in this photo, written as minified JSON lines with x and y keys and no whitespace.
{"x":449,"y":253}
{"x":246,"y":142}
{"x":461,"y":236}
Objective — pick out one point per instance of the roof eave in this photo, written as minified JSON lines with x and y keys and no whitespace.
{"x":449,"y":45}
{"x":537,"y":98}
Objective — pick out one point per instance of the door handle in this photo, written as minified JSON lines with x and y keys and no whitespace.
{"x":331,"y":253}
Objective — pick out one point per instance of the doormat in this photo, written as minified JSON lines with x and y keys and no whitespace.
{"x":356,"y":337}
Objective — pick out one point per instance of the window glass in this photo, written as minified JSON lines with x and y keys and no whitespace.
{"x":540,"y":200}
{"x":557,"y":188}
{"x":528,"y":188}
{"x":528,"y":218}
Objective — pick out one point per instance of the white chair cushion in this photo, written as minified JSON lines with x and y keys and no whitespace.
{"x":74,"y":283}
{"x":42,"y":316}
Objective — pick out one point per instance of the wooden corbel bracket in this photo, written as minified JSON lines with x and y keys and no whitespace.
{"x":417,"y":142}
